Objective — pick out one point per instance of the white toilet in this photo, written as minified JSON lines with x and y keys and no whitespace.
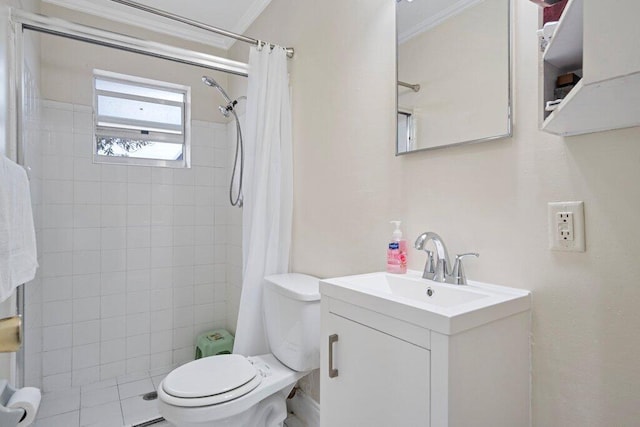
{"x":238,"y":391}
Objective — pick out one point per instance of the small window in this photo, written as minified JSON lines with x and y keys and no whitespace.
{"x":140,"y":121}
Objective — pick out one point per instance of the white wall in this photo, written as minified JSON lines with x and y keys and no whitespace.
{"x":490,"y":198}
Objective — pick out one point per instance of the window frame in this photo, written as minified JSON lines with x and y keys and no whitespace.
{"x":171,"y":134}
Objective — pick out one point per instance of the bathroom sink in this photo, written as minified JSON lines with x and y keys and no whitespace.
{"x":440,"y":307}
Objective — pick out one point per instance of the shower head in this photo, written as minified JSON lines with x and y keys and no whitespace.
{"x":211,"y":82}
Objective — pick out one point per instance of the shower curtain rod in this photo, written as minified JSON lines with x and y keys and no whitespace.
{"x":415,"y":88}
{"x":202,"y":26}
{"x":62,"y":28}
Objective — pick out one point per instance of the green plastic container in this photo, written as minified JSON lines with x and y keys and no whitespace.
{"x":215,"y":342}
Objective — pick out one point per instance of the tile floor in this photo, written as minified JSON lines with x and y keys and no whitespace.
{"x":111,"y":403}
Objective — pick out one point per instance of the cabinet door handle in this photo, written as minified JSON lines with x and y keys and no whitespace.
{"x":332,"y":371}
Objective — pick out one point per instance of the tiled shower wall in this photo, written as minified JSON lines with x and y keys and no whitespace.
{"x":133,"y":262}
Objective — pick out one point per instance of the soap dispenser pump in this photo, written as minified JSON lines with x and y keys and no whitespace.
{"x":397,"y":251}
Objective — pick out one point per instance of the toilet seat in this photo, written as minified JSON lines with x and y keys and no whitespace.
{"x":210,"y":381}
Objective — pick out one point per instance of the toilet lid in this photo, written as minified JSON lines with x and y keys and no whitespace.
{"x":211,"y":376}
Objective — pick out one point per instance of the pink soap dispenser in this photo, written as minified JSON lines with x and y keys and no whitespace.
{"x":397,"y":252}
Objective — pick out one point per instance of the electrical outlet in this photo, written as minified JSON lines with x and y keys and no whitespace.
{"x":566,"y":226}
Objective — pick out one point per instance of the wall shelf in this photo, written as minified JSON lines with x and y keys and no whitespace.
{"x":600,"y":101}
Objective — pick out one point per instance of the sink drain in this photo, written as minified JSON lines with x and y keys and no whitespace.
{"x":152,"y":395}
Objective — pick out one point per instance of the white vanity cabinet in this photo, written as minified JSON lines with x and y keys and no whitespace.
{"x":393,"y":370}
{"x":598,"y":40}
{"x":382,"y":380}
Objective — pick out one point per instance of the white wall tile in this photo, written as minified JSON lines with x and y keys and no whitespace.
{"x":137,"y":302}
{"x":162,"y":175}
{"x":57,"y":192}
{"x":86,"y":262}
{"x":114,"y":216}
{"x":86,"y":309}
{"x":86,"y":332}
{"x":183,"y":256}
{"x":86,"y":285}
{"x":161,"y":278}
{"x":162,"y":215}
{"x":139,"y":174}
{"x":114,"y":193}
{"x":56,"y":264}
{"x":113,"y":260}
{"x":57,"y":313}
{"x":113,"y":351}
{"x":83,"y":148}
{"x":86,"y":239}
{"x":138,"y":258}
{"x":113,"y":238}
{"x":56,"y":362}
{"x":85,"y":376}
{"x":138,"y":364}
{"x":85,"y":216}
{"x":162,"y":194}
{"x":113,"y":328}
{"x":138,"y":280}
{"x":57,"y":288}
{"x":161,"y":320}
{"x":138,"y":324}
{"x":184,"y":195}
{"x":113,"y":369}
{"x":183,"y":276}
{"x":57,"y":216}
{"x":161,"y":257}
{"x":86,"y":192}
{"x":86,"y":356}
{"x":183,"y":355}
{"x":138,"y":194}
{"x":183,"y":337}
{"x":138,"y":215}
{"x":138,"y":237}
{"x":56,"y":382}
{"x":137,"y":346}
{"x":160,"y":360}
{"x":183,"y":215}
{"x":56,"y":337}
{"x":205,"y":196}
{"x":112,"y":305}
{"x":160,"y":299}
{"x":85,"y":170}
{"x":204,"y":294}
{"x":161,"y":341}
{"x":182,"y":317}
{"x":183,"y":235}
{"x":58,"y":168}
{"x":114,"y":173}
{"x":118,"y":258}
{"x":113,"y":283}
{"x":204,"y":313}
{"x":183,"y":297}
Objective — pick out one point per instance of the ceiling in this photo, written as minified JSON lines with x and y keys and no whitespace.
{"x":231,"y":15}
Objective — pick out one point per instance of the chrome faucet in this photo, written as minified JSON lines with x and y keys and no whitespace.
{"x":438,"y":269}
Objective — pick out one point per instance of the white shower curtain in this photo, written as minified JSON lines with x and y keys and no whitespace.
{"x":268,"y":190}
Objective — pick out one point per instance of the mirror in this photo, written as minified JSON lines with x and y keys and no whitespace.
{"x":454,"y":72}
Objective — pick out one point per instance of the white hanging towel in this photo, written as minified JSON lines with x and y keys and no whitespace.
{"x":18,"y":257}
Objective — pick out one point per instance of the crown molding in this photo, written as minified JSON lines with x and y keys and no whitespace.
{"x":164,"y":25}
{"x":436,"y":19}
{"x":245,"y":21}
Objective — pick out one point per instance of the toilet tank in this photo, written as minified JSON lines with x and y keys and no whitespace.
{"x":291,"y":309}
